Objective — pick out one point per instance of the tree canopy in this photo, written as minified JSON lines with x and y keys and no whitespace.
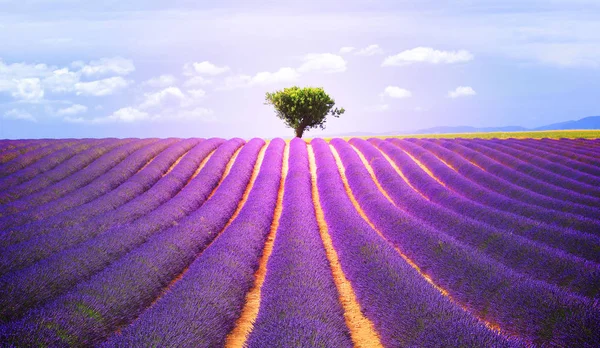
{"x":303,"y":108}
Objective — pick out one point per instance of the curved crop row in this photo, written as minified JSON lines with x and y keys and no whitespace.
{"x":33,"y":156}
{"x":565,"y":168}
{"x":47,"y":163}
{"x":574,"y":242}
{"x":524,"y":162}
{"x":137,"y":279}
{"x":102,"y":185}
{"x":57,"y":273}
{"x":481,"y":187}
{"x":71,"y":166}
{"x":217,"y":281}
{"x":585,"y":169}
{"x":54,"y":240}
{"x":542,"y":263}
{"x":75,"y":181}
{"x":364,"y":243}
{"x":385,"y":283}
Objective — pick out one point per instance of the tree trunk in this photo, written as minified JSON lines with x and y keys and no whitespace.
{"x":299,"y":132}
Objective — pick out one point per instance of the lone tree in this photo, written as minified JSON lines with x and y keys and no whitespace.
{"x":303,"y":108}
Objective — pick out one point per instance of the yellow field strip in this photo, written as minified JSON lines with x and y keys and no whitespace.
{"x":362,"y":330}
{"x":244,"y":324}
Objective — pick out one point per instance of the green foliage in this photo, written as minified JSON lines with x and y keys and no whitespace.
{"x":303,"y":108}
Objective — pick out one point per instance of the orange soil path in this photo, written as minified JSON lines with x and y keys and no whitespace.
{"x":244,"y":325}
{"x":397,"y":169}
{"x":239,"y":207}
{"x":200,"y":166}
{"x":362,"y":330}
{"x":445,"y":293}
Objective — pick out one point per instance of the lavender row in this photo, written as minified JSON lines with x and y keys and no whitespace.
{"x":77,"y":180}
{"x":569,"y":152}
{"x":404,"y":308}
{"x":586,"y":142}
{"x":542,"y":165}
{"x":585,"y":169}
{"x":54,"y":240}
{"x":518,"y":173}
{"x":20,"y":148}
{"x":472,"y":190}
{"x":47,"y":163}
{"x":99,"y":187}
{"x":535,"y":311}
{"x":34,"y":156}
{"x":574,"y":242}
{"x":201,"y":309}
{"x":506,"y":185}
{"x":57,"y":218}
{"x":299,"y":301}
{"x":568,"y":145}
{"x":69,"y":167}
{"x":7,"y":145}
{"x":113,"y":298}
{"x":53,"y":276}
{"x":542,"y":263}
{"x":552,"y":182}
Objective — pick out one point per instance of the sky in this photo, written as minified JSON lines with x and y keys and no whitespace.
{"x":79,"y":69}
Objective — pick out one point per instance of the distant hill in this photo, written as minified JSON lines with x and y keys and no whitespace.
{"x":591,"y":122}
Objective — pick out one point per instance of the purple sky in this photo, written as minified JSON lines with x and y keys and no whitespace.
{"x":177,"y":68}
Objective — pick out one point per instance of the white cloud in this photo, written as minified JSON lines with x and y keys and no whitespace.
{"x":131,"y":114}
{"x":346,"y":49}
{"x":103,"y":66}
{"x":123,"y":115}
{"x":101,"y":87}
{"x":396,"y":92}
{"x":204,"y":68}
{"x":323,"y":62}
{"x":61,"y":80}
{"x":72,"y":110}
{"x":427,"y":55}
{"x":15,"y":114}
{"x":22,"y":70}
{"x":196,"y":93}
{"x":29,"y":89}
{"x":196,"y":81}
{"x":461,"y":91}
{"x":370,"y":50}
{"x":160,"y":81}
{"x":281,"y":75}
{"x":128,"y":115}
{"x":168,"y":97}
{"x":261,"y":78}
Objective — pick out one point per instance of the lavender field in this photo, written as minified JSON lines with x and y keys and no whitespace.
{"x":366,"y":243}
